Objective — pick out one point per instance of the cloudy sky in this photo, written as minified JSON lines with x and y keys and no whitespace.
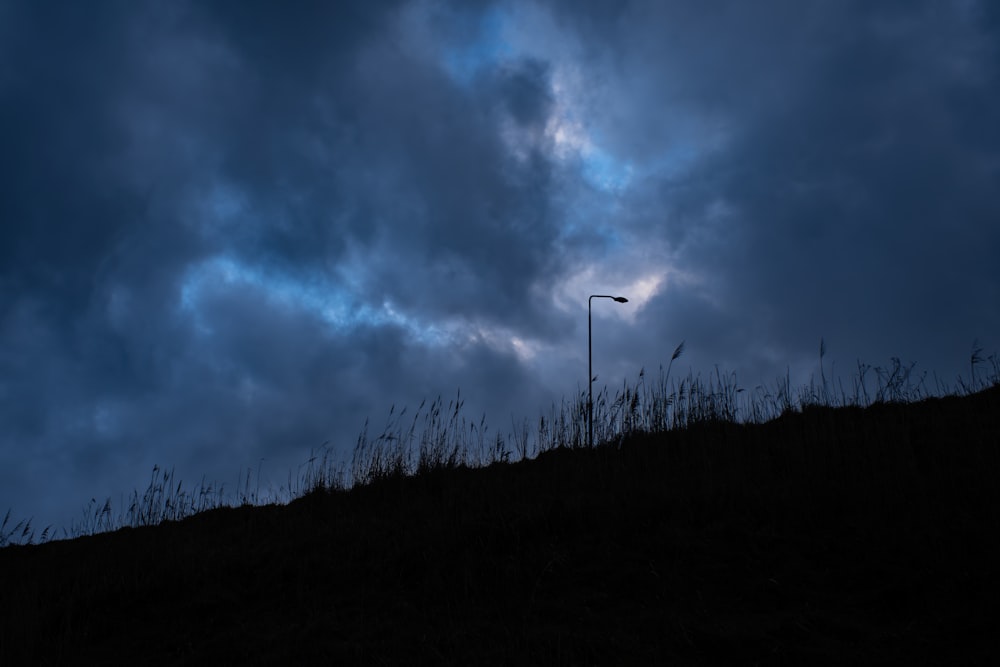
{"x":230,"y":232}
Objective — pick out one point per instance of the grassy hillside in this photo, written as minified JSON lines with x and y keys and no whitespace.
{"x":824,"y":535}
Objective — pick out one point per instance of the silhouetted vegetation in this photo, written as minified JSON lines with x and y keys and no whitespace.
{"x":711,"y":525}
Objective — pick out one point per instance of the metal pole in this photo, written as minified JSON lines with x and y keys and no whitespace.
{"x":590,"y":364}
{"x":590,"y":378}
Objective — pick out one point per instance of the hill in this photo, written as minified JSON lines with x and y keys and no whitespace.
{"x":825,"y":536}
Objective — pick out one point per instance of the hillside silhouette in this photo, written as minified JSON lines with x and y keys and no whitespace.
{"x":824,"y":535}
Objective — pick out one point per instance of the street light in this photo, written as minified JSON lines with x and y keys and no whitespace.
{"x":590,"y":365}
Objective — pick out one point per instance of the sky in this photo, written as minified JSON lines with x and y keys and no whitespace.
{"x":231,"y":231}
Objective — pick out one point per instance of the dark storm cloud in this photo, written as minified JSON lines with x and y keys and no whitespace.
{"x":314,"y":146}
{"x":59,"y":211}
{"x":230,"y":233}
{"x":847,"y":173}
{"x":339,"y":140}
{"x":470,"y":220}
{"x":526,"y":92}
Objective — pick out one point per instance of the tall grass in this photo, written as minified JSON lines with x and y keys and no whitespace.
{"x":437,"y":436}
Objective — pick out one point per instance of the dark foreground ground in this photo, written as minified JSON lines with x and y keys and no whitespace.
{"x":838,"y":536}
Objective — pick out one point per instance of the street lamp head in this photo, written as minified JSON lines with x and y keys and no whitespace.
{"x":620,"y":299}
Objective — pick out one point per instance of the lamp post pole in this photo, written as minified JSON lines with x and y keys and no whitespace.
{"x":590,"y":364}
